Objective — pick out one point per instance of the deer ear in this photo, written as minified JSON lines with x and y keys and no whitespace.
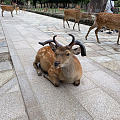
{"x":53,"y":47}
{"x":76,"y":51}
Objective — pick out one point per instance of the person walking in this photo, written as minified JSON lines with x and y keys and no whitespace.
{"x":109,"y":6}
{"x":109,"y":9}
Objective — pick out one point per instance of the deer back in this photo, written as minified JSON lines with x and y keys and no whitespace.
{"x":108,"y":20}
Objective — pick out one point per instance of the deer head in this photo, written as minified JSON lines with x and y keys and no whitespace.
{"x":64,"y":54}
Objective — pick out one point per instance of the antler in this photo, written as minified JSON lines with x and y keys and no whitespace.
{"x":73,"y":40}
{"x":49,"y":41}
{"x":83,"y":49}
{"x":46,"y":42}
{"x":57,"y":44}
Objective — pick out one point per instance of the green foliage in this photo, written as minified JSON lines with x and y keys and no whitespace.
{"x":22,"y":2}
{"x":64,"y":1}
{"x":117,"y":3}
{"x":7,"y":2}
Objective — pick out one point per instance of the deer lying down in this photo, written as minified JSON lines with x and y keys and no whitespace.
{"x":60,"y":62}
{"x":109,"y":20}
{"x":8,"y":8}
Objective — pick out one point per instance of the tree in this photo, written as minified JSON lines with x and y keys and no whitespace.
{"x":97,"y":6}
{"x":34,"y":3}
{"x":117,"y":3}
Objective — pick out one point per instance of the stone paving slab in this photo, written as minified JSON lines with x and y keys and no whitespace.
{"x":3,"y":44}
{"x":5,"y":77}
{"x":11,"y":101}
{"x":11,"y":107}
{"x":3,"y":50}
{"x":5,"y":66}
{"x":100,"y":105}
{"x":96,"y":98}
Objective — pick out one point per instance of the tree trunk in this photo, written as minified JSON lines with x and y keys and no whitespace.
{"x":34,"y":3}
{"x":97,"y":6}
{"x":2,"y":1}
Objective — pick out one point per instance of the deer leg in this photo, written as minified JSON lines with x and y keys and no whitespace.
{"x":16,"y":12}
{"x":96,"y":33}
{"x":63,"y":22}
{"x":53,"y":79}
{"x":2,"y":13}
{"x":92,"y":27}
{"x":78,"y":26}
{"x":68,"y":23}
{"x":74,"y":25}
{"x":118,"y":38}
{"x":11,"y":14}
{"x":76,"y":83}
{"x":39,"y":72}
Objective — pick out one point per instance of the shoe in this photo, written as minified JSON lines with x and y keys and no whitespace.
{"x":101,"y":30}
{"x":109,"y":32}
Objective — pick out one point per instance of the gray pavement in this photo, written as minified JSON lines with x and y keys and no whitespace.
{"x":11,"y":101}
{"x":96,"y":98}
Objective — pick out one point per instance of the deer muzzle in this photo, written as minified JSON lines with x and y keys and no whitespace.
{"x":56,"y":63}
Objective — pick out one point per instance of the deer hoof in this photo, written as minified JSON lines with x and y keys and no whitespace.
{"x":57,"y":84}
{"x":76,"y":83}
{"x":98,"y":42}
{"x":118,"y":43}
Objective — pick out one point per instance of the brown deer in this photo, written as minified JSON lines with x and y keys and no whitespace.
{"x":8,"y":8}
{"x":76,"y":15}
{"x":60,"y":62}
{"x":109,"y":20}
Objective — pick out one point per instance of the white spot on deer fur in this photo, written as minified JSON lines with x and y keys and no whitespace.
{"x":43,"y":50}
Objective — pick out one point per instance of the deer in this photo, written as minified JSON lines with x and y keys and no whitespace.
{"x":60,"y":62}
{"x":108,"y":20}
{"x":10,"y":8}
{"x":76,"y":15}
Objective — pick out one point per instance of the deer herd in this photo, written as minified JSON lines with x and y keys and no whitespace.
{"x":59,"y":63}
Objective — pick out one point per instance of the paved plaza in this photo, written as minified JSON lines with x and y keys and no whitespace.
{"x":26,"y":96}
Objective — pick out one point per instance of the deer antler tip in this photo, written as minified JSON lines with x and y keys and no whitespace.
{"x":40,"y":43}
{"x":55,"y":36}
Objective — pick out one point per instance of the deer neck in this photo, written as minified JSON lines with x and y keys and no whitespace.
{"x":68,"y":70}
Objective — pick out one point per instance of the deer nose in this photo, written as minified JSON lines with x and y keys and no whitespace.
{"x":56,"y":63}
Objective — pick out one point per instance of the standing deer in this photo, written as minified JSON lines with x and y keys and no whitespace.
{"x":109,"y":20}
{"x":76,"y":15}
{"x":8,"y":8}
{"x":60,"y":62}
